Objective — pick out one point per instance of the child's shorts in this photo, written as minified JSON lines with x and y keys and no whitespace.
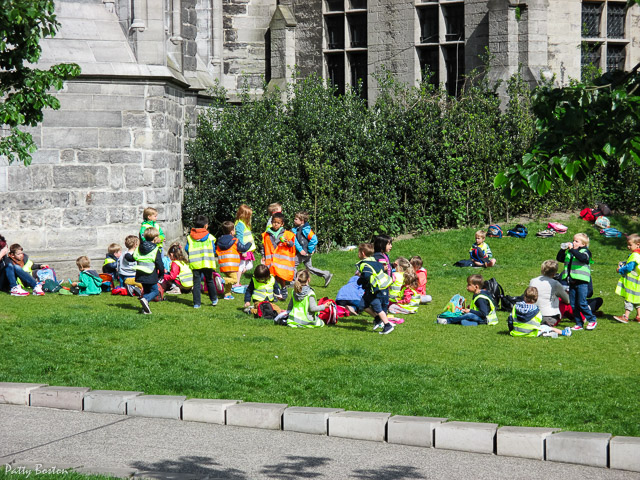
{"x":377,"y":301}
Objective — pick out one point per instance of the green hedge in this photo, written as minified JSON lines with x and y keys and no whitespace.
{"x":413,"y":161}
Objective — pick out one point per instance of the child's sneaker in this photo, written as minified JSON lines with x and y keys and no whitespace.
{"x":18,"y":291}
{"x":621,"y":318}
{"x":377,"y":324}
{"x":37,"y":290}
{"x":214,"y":302}
{"x":327,"y":280}
{"x":566,"y":332}
{"x":441,"y":321}
{"x":228,"y":297}
{"x":388,"y":328}
{"x":145,"y":305}
{"x":592,"y":325}
{"x":576,"y":328}
{"x":196,"y":306}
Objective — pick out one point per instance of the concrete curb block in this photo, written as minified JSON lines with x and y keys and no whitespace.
{"x":207,"y":411}
{"x":359,"y":425}
{"x":467,"y":436}
{"x":308,"y":419}
{"x":17,"y":393}
{"x":66,"y":398}
{"x":156,"y":406}
{"x":524,"y":442}
{"x":582,"y":448}
{"x":108,"y":401}
{"x":256,"y":415}
{"x":415,"y":431}
{"x":624,"y":453}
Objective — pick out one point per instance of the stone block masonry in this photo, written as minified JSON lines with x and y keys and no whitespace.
{"x":583,"y":448}
{"x":108,"y":401}
{"x":208,"y":411}
{"x":17,"y":393}
{"x":467,"y":436}
{"x":67,"y":398}
{"x":256,"y":415}
{"x":308,"y":419}
{"x":416,"y":431}
{"x":159,"y":406}
{"x":359,"y":425}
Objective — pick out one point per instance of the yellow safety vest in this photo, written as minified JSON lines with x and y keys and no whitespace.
{"x":492,"y":317}
{"x":395,"y":290}
{"x":247,"y":236}
{"x":263,"y":291}
{"x":525,"y":329}
{"x":202,"y":254}
{"x":185,"y":277}
{"x":579,"y":271}
{"x":414,"y":303}
{"x":145,"y":263}
{"x":629,"y":285}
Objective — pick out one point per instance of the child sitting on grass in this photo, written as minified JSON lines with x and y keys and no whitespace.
{"x":482,"y":310}
{"x":480,"y":252}
{"x":126,"y":272}
{"x":629,"y":284}
{"x":180,"y":278}
{"x":21,"y":260}
{"x":303,"y":308}
{"x":402,"y":267}
{"x":112,"y":260}
{"x":525,"y":319}
{"x":421,"y":272}
{"x":410,"y":299}
{"x":89,"y":281}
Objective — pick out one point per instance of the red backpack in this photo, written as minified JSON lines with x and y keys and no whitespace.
{"x":587,"y":215}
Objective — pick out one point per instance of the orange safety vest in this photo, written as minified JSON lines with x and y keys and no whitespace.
{"x":229,"y":259}
{"x":281,"y":259}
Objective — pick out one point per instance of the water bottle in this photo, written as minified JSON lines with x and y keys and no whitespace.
{"x":566,"y":245}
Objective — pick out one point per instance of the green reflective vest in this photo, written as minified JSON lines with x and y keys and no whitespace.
{"x":414,"y":303}
{"x":298,"y":316}
{"x":27,"y":268}
{"x":525,"y":329}
{"x":247,"y":236}
{"x":145,"y":263}
{"x":202,"y":254}
{"x":395,"y":290}
{"x":492,"y":317}
{"x":380,"y":280}
{"x":185,"y":277}
{"x":575,"y":269}
{"x":629,"y":285}
{"x":263,"y":291}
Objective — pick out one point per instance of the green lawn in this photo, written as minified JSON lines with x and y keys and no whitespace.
{"x":589,"y":382}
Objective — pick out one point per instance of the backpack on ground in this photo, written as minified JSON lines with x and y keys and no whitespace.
{"x":519,"y":231}
{"x":587,"y":215}
{"x":601,"y":210}
{"x":107,"y":282}
{"x":496,"y":291}
{"x":463,"y":263}
{"x":455,"y":305}
{"x":45,"y":274}
{"x":218,"y":281}
{"x":611,"y":232}
{"x":494,"y":231}
{"x":477,"y":255}
{"x":508,"y":301}
{"x":546,"y":233}
{"x":51,"y":286}
{"x":265,"y":310}
{"x":557,"y":227}
{"x":602,"y":222}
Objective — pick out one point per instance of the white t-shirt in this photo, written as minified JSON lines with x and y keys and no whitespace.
{"x":549,"y":290}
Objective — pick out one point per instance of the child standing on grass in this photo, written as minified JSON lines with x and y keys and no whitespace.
{"x":180,"y":278}
{"x":279,"y":254}
{"x":229,"y":249}
{"x":150,"y":220}
{"x":577,"y":258}
{"x":306,"y":243}
{"x":375,"y":282}
{"x":480,"y":252}
{"x":89,"y":281}
{"x":482,"y":310}
{"x":382,"y":245}
{"x":244,"y":235}
{"x":402,"y":266}
{"x":149,"y":267}
{"x":303,"y":308}
{"x":526,"y":319}
{"x":629,"y":284}
{"x":421,"y":272}
{"x":410,"y":299}
{"x":271,"y":209}
{"x":202,"y":259}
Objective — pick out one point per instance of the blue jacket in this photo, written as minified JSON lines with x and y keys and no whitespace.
{"x":351,"y":292}
{"x":311,"y":247}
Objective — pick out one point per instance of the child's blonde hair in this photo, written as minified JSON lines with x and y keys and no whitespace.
{"x":304,"y":216}
{"x":583,"y":237}
{"x":416,"y":262}
{"x":411,"y":280}
{"x":475,"y":279}
{"x":549,"y":268}
{"x":131,"y":241}
{"x":273,"y":208}
{"x":83,"y":262}
{"x":151,"y":233}
{"x":482,"y":234}
{"x":531,"y":295}
{"x":403,"y":263}
{"x":366,"y":249}
{"x":302,"y":279}
{"x":244,"y":213}
{"x":148,"y":212}
{"x":633,"y":239}
{"x":177,"y":252}
{"x":114,"y":248}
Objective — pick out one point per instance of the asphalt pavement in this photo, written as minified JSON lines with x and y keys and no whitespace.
{"x":43,"y":439}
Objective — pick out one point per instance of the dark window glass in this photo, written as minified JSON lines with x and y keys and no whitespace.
{"x":358,"y":30}
{"x":429,"y":64}
{"x":358,"y":63}
{"x":335,"y":5}
{"x":591,"y":13}
{"x":590,"y":55}
{"x":335,"y":32}
{"x":335,"y":71}
{"x":454,"y":63}
{"x":615,"y":57}
{"x":454,"y":21}
{"x":615,"y":20}
{"x":358,"y":4}
{"x":428,"y":18}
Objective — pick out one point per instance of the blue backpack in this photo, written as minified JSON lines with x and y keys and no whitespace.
{"x":519,"y":231}
{"x":494,"y":231}
{"x":611,"y":232}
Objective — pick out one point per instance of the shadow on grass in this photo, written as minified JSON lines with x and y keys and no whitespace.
{"x":201,"y":466}
{"x":124,"y":306}
{"x":390,"y":472}
{"x":184,"y":299}
{"x":296,"y":467}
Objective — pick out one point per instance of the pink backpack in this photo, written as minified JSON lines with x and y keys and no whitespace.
{"x":557,"y":227}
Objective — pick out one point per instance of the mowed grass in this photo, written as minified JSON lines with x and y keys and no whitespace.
{"x":589,"y":382}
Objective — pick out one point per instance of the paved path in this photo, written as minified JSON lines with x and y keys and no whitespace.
{"x":174,"y":449}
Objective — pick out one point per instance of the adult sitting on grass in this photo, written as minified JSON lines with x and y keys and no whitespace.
{"x":9,"y":271}
{"x":550,"y":291}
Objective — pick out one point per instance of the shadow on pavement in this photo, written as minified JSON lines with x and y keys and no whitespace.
{"x":201,"y":466}
{"x":296,"y":467}
{"x":391,"y":472}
